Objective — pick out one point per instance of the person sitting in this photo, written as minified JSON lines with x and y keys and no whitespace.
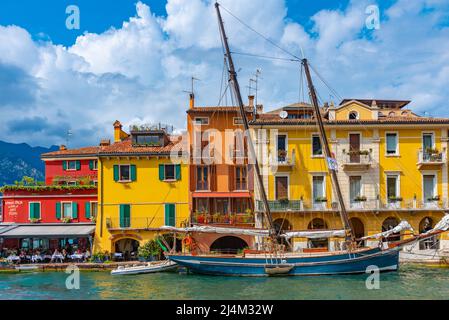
{"x":56,"y":256}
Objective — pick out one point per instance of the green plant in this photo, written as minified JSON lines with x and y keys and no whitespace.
{"x":394,"y":199}
{"x":360,"y":199}
{"x":320,"y":199}
{"x":93,"y":219}
{"x":432,"y":150}
{"x":35,"y":220}
{"x":39,"y":188}
{"x":66,"y":220}
{"x":150,"y":249}
{"x":436,"y":198}
{"x":284,"y":201}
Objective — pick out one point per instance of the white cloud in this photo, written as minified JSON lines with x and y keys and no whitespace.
{"x":138,"y":72}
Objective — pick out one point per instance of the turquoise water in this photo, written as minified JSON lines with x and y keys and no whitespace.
{"x":409,"y":283}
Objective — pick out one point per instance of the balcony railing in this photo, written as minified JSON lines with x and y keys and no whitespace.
{"x":365,"y":205}
{"x":283,"y":158}
{"x":357,"y":160}
{"x":427,"y":157}
{"x":224,"y":219}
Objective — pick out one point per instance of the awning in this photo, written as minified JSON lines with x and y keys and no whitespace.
{"x":48,"y":231}
{"x":237,"y":194}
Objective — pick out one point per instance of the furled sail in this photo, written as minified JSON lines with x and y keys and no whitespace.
{"x":315,"y":234}
{"x":403,"y":225}
{"x":222,"y":230}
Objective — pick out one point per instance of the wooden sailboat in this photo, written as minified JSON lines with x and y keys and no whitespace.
{"x":273,"y":260}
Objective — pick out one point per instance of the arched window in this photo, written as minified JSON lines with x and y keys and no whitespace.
{"x":425,"y":225}
{"x":392,"y":114}
{"x":358,"y":228}
{"x":353,"y":115}
{"x":317,"y":224}
{"x":389,"y":224}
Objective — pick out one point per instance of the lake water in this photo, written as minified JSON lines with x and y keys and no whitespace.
{"x":411,"y":282}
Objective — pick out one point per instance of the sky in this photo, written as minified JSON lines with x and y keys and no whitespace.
{"x":133,"y":60}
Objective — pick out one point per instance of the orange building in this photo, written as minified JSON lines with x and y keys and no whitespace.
{"x":221,"y":180}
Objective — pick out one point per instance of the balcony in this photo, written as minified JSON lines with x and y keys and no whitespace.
{"x":431,"y":159}
{"x":222,"y":219}
{"x":397,"y":205}
{"x":283,"y":159}
{"x":357,"y":160}
{"x":293,"y":206}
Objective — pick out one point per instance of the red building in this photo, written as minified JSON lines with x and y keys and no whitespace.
{"x":62,"y":212}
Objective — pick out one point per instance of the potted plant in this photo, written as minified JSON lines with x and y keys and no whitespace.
{"x":431,"y":150}
{"x":360,"y":199}
{"x":284,"y":201}
{"x":282,"y":154}
{"x":394,"y":199}
{"x":435,"y":198}
{"x":320,"y":199}
{"x":150,"y":251}
{"x":93,"y":219}
{"x":66,"y":220}
{"x":35,"y":220}
{"x":216,"y":217}
{"x":200,"y":218}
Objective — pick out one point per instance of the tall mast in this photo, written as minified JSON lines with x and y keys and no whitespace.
{"x":325,"y":143}
{"x":236,"y":87}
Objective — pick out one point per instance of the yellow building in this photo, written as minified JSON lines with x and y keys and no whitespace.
{"x":392,"y":165}
{"x":139,"y":188}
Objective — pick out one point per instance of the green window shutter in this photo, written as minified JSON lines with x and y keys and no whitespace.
{"x":161,"y":172}
{"x":64,"y":165}
{"x":87,"y":210}
{"x":170,"y":214}
{"x":125,"y":216}
{"x":37,"y":211}
{"x":74,"y":210}
{"x":116,"y":173}
{"x":91,"y":164}
{"x":178,"y":171}
{"x":31,"y":210}
{"x":78,"y":165}
{"x":133,"y":172}
{"x":58,"y":210}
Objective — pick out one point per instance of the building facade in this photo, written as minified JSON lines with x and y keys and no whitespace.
{"x":140,"y":188}
{"x":392,"y":166}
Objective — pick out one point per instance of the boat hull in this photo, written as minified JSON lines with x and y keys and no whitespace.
{"x":345,"y":263}
{"x":151,"y":268}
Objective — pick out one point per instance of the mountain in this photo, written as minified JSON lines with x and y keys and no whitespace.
{"x":18,"y":160}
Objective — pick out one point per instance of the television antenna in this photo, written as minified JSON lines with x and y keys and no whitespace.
{"x":192,"y":81}
{"x":68,"y":135}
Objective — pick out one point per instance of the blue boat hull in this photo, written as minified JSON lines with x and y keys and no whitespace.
{"x":387,"y":260}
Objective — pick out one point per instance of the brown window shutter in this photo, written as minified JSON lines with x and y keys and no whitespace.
{"x":231,"y":175}
{"x":213,"y":178}
{"x":281,"y":188}
{"x":250,"y":170}
{"x":192,"y":178}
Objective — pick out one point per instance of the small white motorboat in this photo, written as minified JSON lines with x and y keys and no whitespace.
{"x":26,"y":268}
{"x":150,"y":267}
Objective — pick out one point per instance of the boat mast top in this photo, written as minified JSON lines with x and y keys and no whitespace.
{"x":236,"y":87}
{"x":313,"y":97}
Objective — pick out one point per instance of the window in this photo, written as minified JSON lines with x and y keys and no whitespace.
{"x":67,"y":210}
{"x":169,"y":172}
{"x":170,"y":214}
{"x":318,"y":188}
{"x":241,"y":178}
{"x":241,"y":205}
{"x":222,"y":206}
{"x":355,"y":188}
{"x":392,"y":143}
{"x":34,"y":210}
{"x":202,"y":205}
{"x":427,"y":141}
{"x":429,"y":187}
{"x":392,"y":188}
{"x":71,"y":165}
{"x":281,"y":185}
{"x":201,"y":120}
{"x":125,"y":173}
{"x":282,"y":148}
{"x":93,"y":164}
{"x":353,"y":115}
{"x":91,"y":209}
{"x":317,"y":150}
{"x":146,"y":140}
{"x":202,"y":181}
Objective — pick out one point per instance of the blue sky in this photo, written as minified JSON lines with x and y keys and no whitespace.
{"x":131,"y":60}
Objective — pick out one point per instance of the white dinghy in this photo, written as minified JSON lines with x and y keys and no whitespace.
{"x":151,"y":267}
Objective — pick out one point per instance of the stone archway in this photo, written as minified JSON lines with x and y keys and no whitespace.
{"x":228,"y":244}
{"x":388,"y":224}
{"x":358,"y":229}
{"x":425,"y":225}
{"x":127,"y":246}
{"x":318,"y":224}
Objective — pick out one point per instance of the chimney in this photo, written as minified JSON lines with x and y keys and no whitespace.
{"x":192,"y":101}
{"x":117,"y":131}
{"x":62,"y":147}
{"x":251,"y":100}
{"x":105,"y":142}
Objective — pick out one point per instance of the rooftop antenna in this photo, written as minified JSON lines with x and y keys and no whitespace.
{"x":69,"y":134}
{"x":256,"y":81}
{"x":192,"y":79}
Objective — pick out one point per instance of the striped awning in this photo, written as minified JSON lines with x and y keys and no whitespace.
{"x":48,"y":231}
